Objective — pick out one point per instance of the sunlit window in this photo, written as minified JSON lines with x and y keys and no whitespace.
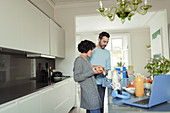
{"x":118,"y":47}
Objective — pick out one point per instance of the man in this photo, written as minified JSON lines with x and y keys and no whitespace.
{"x":101,"y":56}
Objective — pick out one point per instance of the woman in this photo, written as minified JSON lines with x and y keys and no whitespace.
{"x":84,"y":75}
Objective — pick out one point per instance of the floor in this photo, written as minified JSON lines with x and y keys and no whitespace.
{"x":78,"y":109}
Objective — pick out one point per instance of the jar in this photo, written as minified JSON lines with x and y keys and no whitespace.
{"x":139,"y":90}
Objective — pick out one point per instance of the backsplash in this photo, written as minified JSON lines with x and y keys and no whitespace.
{"x":14,"y":66}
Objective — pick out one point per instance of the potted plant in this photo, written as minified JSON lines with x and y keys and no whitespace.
{"x":120,"y":64}
{"x":158,"y":66}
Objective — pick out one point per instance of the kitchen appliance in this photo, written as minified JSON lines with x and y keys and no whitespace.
{"x":39,"y":55}
{"x":57,"y":76}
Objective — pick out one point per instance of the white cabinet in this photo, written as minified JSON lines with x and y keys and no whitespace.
{"x":23,"y":27}
{"x":29,"y":104}
{"x":64,"y":97}
{"x":10,"y":24}
{"x":10,"y":107}
{"x":57,"y":40}
{"x":35,"y":29}
{"x":47,"y":98}
{"x":58,"y":98}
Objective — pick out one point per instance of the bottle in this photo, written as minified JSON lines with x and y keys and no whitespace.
{"x":50,"y":74}
{"x":139,"y":90}
{"x":124,"y":72}
{"x":109,"y":76}
{"x":115,"y":82}
{"x":121,"y":74}
{"x":115,"y":76}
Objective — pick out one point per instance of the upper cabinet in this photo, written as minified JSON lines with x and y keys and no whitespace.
{"x":57,"y":40}
{"x":23,"y":27}
{"x":35,"y":29}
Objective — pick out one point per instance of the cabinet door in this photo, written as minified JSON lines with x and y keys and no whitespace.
{"x":29,"y":104}
{"x":60,"y":93}
{"x":57,"y":39}
{"x":47,"y":98}
{"x":10,"y":23}
{"x":23,"y":27}
{"x":9,"y":108}
{"x":64,"y":97}
{"x":35,"y":29}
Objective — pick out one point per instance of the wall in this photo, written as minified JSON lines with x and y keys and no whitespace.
{"x":161,"y":5}
{"x":160,"y":22}
{"x":66,"y":18}
{"x":139,"y":38}
{"x":140,"y":54}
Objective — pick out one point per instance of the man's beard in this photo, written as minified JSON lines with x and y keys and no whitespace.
{"x":102,"y":46}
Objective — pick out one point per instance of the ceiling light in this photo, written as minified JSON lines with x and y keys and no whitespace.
{"x":125,"y":9}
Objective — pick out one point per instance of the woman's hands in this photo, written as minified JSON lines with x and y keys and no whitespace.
{"x":98,"y":69}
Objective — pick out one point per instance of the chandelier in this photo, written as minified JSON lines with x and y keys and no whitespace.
{"x":125,"y":9}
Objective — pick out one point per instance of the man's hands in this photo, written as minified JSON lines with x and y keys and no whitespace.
{"x":98,"y":69}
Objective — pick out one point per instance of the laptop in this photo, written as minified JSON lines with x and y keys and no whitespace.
{"x":160,"y":93}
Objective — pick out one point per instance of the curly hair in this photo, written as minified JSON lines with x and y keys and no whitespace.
{"x":102,"y":34}
{"x":85,"y":46}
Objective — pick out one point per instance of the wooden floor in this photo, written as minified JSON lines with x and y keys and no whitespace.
{"x":78,"y":110}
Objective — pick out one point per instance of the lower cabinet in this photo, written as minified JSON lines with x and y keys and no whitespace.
{"x":47,"y":98}
{"x":58,"y":98}
{"x":64,"y":97}
{"x":9,"y":108}
{"x":29,"y":104}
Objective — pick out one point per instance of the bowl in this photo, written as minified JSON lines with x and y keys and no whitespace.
{"x":129,"y":90}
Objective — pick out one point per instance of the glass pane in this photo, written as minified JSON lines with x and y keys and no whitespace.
{"x":108,"y":47}
{"x":116,"y":44}
{"x":125,"y":43}
{"x":116,"y":57}
{"x":125,"y":57}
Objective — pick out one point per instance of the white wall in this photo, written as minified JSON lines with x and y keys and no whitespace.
{"x":160,"y":22}
{"x":66,"y":18}
{"x":140,"y":54}
{"x":139,"y":38}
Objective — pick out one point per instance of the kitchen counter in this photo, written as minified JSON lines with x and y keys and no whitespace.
{"x":114,"y":105}
{"x":16,"y":89}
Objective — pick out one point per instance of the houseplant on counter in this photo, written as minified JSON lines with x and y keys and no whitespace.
{"x":158,"y":66}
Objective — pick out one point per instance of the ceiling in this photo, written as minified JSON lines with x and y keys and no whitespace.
{"x":63,"y":2}
{"x":89,"y":23}
{"x":98,"y":23}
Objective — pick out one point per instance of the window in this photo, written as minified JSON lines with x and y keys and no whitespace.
{"x":118,"y":47}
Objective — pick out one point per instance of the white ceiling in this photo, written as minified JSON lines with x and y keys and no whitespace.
{"x":63,"y":2}
{"x":97,"y":22}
